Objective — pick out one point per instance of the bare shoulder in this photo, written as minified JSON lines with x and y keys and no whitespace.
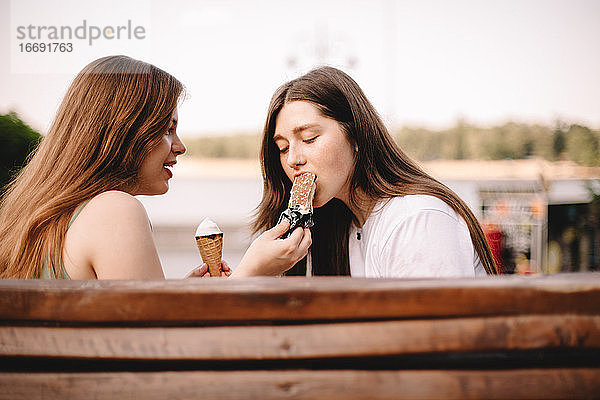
{"x":115,"y":199}
{"x":103,"y":228}
{"x":111,"y":213}
{"x":111,"y":238}
{"x":116,"y":206}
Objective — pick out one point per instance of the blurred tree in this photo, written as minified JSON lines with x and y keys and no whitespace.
{"x":541,"y":139}
{"x":582,"y":145}
{"x":17,"y":141}
{"x":558,"y":143}
{"x":503,"y":142}
{"x":464,"y":141}
{"x":420,"y":143}
{"x":235,"y":146}
{"x":457,"y":140}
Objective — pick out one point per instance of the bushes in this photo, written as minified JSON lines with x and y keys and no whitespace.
{"x":581,"y":145}
{"x":235,"y":146}
{"x":511,"y":140}
{"x":464,"y":141}
{"x":17,"y":141}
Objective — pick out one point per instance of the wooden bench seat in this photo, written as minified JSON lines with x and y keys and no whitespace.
{"x":301,"y":338}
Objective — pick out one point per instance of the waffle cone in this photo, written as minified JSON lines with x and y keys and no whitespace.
{"x":211,"y":250}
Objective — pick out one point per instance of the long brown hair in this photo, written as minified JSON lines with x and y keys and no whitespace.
{"x":113,"y":114}
{"x":381,"y":170}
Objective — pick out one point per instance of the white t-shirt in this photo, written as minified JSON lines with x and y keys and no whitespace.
{"x":413,"y":236}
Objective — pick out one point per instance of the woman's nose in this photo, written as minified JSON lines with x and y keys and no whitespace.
{"x":295,"y":157}
{"x":178,"y":148}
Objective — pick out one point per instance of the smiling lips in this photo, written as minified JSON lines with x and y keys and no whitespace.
{"x":167,"y":166}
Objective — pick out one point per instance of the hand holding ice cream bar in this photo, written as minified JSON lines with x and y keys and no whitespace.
{"x":209,"y":239}
{"x":300,"y":208}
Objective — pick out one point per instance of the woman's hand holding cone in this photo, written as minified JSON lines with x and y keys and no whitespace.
{"x":202,"y":271}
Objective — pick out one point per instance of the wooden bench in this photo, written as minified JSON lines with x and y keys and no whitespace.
{"x":301,"y":338}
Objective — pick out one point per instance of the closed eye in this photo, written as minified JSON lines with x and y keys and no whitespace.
{"x":284,"y":150}
{"x":310,"y":140}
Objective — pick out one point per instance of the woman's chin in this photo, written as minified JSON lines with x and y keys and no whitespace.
{"x":156,"y":190}
{"x":164,"y":189}
{"x":318,"y":202}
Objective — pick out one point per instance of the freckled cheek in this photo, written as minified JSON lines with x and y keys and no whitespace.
{"x":327,"y":167}
{"x":289,"y":172}
{"x":343,"y":167}
{"x":338,"y":158}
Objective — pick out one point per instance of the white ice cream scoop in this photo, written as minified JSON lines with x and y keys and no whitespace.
{"x":207,"y":227}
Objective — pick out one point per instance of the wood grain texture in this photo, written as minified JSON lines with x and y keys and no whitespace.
{"x":302,"y":384}
{"x":302,"y":299}
{"x":295,"y":319}
{"x":326,"y":340}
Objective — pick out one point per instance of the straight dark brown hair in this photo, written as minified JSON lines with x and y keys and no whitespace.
{"x":381,"y":170}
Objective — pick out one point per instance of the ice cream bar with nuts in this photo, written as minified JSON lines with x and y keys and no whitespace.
{"x":300,"y":208}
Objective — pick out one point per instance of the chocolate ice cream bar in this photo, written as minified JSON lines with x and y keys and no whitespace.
{"x":300,"y":209}
{"x":303,"y":191}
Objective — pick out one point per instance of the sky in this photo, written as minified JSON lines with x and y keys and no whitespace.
{"x":421,"y":62}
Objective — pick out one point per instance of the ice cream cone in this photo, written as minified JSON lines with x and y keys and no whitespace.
{"x":209,"y":239}
{"x":211,"y":250}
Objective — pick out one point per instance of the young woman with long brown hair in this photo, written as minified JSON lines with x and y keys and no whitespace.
{"x":377,"y":214}
{"x":71,"y":212}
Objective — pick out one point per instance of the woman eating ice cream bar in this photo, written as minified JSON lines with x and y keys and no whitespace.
{"x":376,"y":212}
{"x":71,"y":212}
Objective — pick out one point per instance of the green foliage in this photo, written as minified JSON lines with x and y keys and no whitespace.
{"x":508,"y":141}
{"x":558,"y":142}
{"x":463,"y":141}
{"x":235,"y":146}
{"x":423,"y":144}
{"x":581,"y":145}
{"x":17,"y":141}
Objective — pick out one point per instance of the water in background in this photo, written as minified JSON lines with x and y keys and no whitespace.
{"x":174,"y":216}
{"x":228,"y":191}
{"x":229,"y":202}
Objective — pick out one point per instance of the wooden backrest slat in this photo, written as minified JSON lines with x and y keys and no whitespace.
{"x":299,"y":299}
